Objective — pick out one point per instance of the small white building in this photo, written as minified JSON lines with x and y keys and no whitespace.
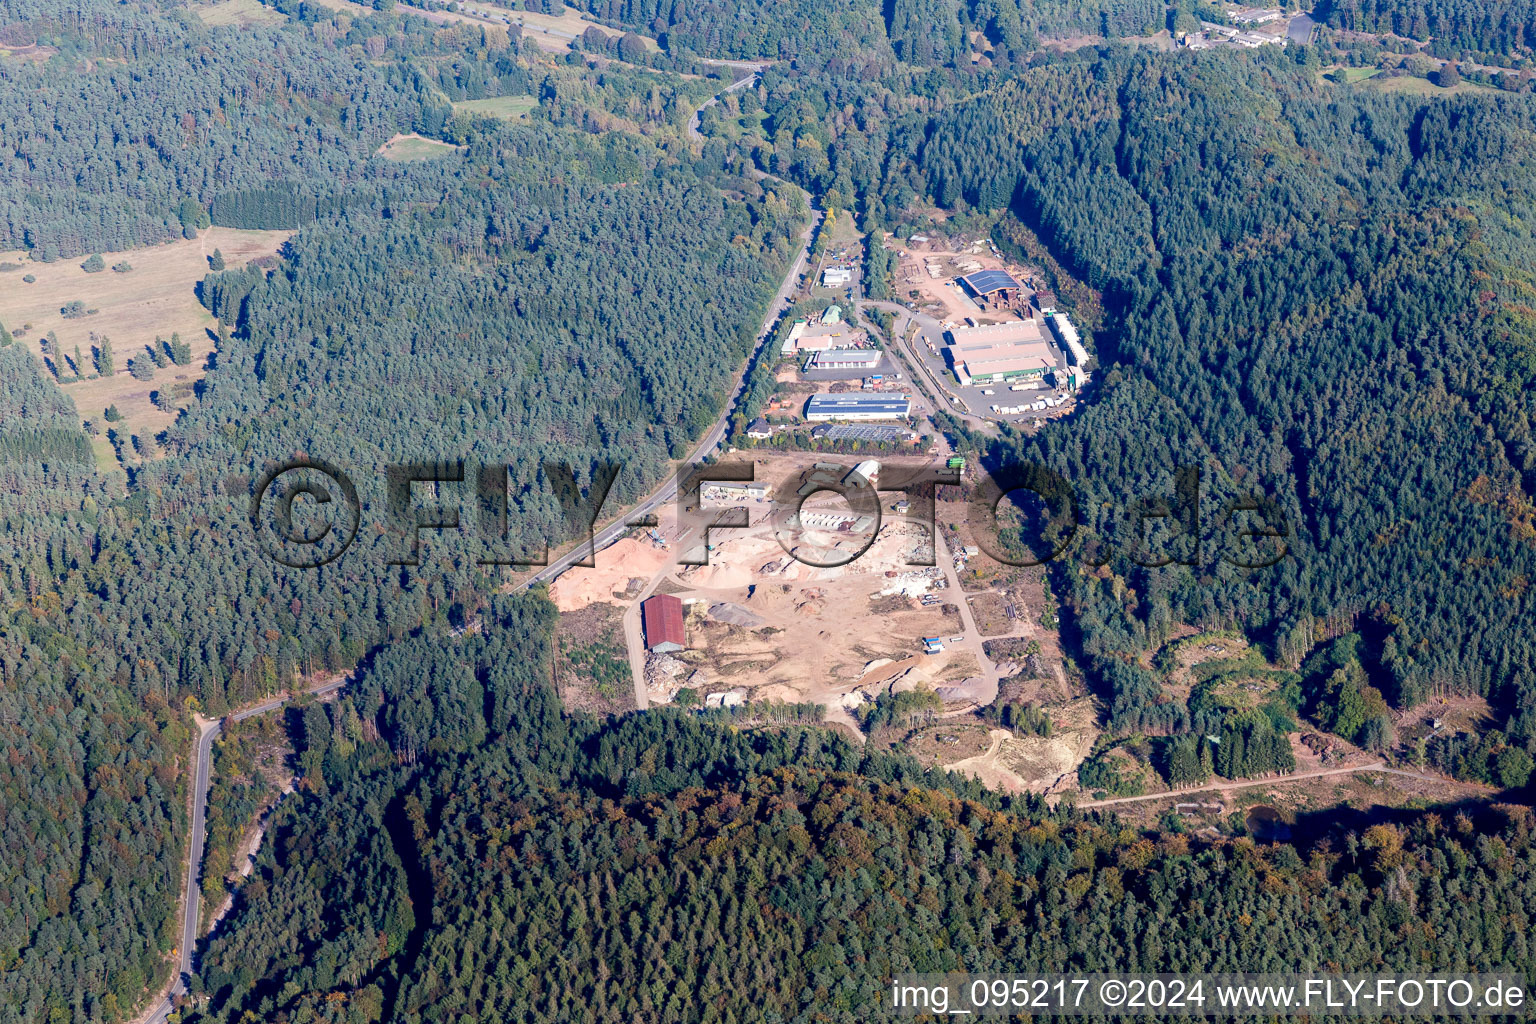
{"x":836,"y":277}
{"x":867,"y":472}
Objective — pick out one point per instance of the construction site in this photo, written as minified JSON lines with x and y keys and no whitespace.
{"x":758,"y":623}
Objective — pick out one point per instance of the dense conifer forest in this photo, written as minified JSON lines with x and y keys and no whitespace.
{"x":1480,"y":26}
{"x":1351,"y":345}
{"x":462,"y":850}
{"x":542,"y":295}
{"x":1317,"y":294}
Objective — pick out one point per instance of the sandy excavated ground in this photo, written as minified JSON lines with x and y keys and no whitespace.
{"x":829,"y":635}
{"x":912,"y":275}
{"x":1036,"y":764}
{"x":762,"y":625}
{"x":768,"y":627}
{"x":626,"y":560}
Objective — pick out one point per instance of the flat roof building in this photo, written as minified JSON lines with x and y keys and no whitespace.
{"x":663,"y":618}
{"x":836,"y":277}
{"x":1013,"y":332}
{"x":857,"y":407}
{"x":1068,"y":336}
{"x":998,"y":352}
{"x":1002,"y":367}
{"x":845,"y":359}
{"x":821,"y":337}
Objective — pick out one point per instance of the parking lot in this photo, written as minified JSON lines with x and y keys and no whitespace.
{"x":977,"y":402}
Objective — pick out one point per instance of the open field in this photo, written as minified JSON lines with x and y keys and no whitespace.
{"x":238,"y":12}
{"x":510,"y":107}
{"x":550,"y":32}
{"x":154,"y":299}
{"x":1350,"y":76}
{"x":555,"y":31}
{"x":347,"y":7}
{"x":406,"y":148}
{"x":1411,"y":86}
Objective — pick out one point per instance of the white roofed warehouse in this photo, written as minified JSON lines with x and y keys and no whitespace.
{"x":999,"y":352}
{"x":845,"y":359}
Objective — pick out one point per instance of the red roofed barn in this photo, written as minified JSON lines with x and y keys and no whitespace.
{"x":663,"y":617}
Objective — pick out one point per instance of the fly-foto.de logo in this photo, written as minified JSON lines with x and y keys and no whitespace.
{"x":307,"y":513}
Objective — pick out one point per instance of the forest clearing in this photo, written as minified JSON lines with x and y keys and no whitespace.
{"x":156,"y":298}
{"x":239,"y":12}
{"x":407,"y":148}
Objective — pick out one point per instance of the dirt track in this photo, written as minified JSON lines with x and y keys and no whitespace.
{"x":1375,"y":766}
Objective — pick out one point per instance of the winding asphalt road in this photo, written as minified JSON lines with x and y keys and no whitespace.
{"x":191,"y":898}
{"x":209,"y":730}
{"x":693,"y":122}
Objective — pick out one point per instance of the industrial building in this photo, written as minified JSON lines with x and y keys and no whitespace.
{"x":836,"y":277}
{"x":992,"y":287}
{"x":999,"y":352}
{"x":662,"y":616}
{"x":867,"y":472}
{"x":1068,"y":336}
{"x":806,"y":337}
{"x":735,"y":490}
{"x":858,"y":407}
{"x":861,"y":359}
{"x":841,"y":522}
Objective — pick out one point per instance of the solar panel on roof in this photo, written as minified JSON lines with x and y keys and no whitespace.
{"x":986,"y":281}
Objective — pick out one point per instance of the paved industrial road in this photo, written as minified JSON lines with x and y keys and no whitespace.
{"x":973,"y":641}
{"x":191,"y":897}
{"x":927,"y":328}
{"x":1375,"y":766}
{"x":711,"y":440}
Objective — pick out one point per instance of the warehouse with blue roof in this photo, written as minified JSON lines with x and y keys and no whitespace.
{"x":993,"y":287}
{"x":855,"y":407}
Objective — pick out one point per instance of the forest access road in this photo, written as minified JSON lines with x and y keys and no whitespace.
{"x":693,"y":122}
{"x":191,"y":896}
{"x":1279,"y":780}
